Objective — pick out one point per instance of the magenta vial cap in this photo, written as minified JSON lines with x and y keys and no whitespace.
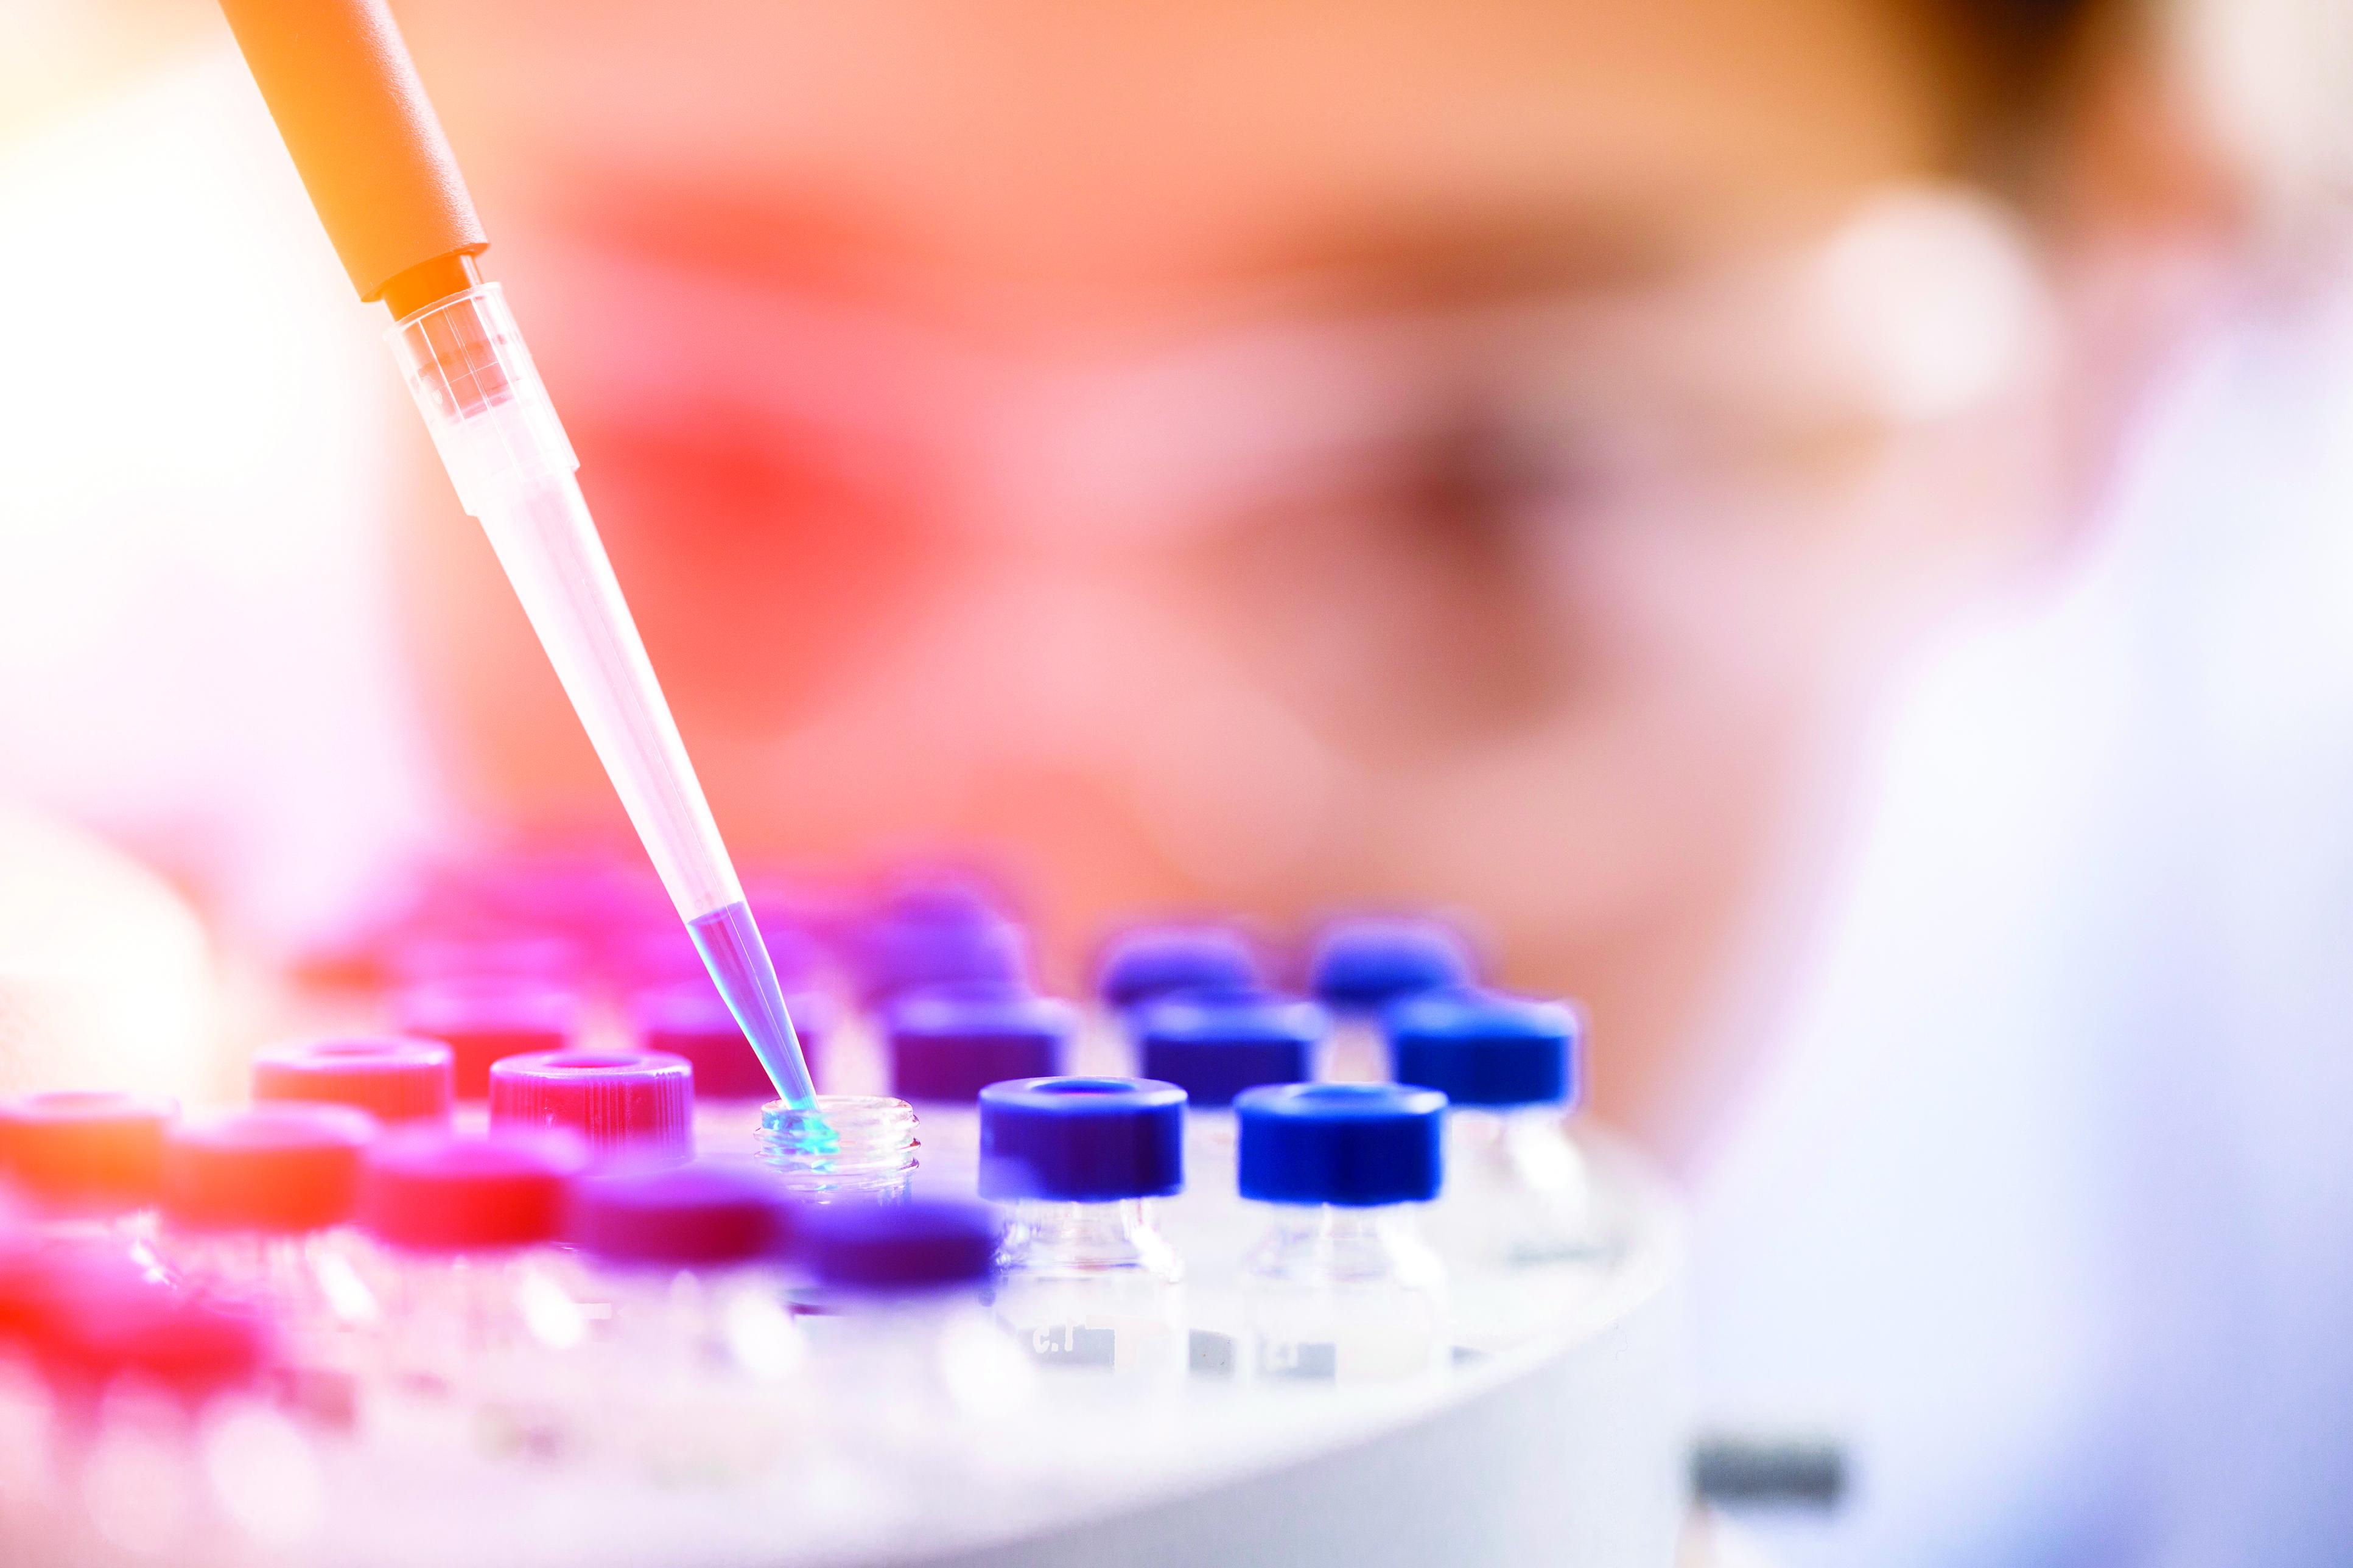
{"x":638,"y":1101}
{"x":703,"y":1214}
{"x":284,"y":1168}
{"x":428,"y":1190}
{"x":393,"y":1078}
{"x":97,"y":1151}
{"x":690,"y":1020}
{"x":482,"y":1021}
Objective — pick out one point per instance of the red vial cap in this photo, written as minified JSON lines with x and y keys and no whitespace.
{"x":431,"y":1190}
{"x":393,"y":1078}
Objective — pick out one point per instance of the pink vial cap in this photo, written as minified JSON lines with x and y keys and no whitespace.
{"x":689,"y":1020}
{"x":427,"y":957}
{"x":191,"y":1346}
{"x":482,"y":1021}
{"x":286,"y":1168}
{"x":94,"y":1149}
{"x":641,"y":1101}
{"x":393,"y":1078}
{"x":433,"y":1191}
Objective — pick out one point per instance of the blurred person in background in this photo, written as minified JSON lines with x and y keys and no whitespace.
{"x":1501,"y":457}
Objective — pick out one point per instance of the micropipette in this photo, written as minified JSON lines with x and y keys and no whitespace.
{"x":346,"y":98}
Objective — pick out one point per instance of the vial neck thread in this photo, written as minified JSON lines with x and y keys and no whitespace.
{"x":1357,"y":1246}
{"x":1122,"y":1236}
{"x":848,"y":1143}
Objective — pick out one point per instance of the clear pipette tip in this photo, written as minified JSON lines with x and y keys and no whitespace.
{"x":732,"y":949}
{"x":465,"y":363}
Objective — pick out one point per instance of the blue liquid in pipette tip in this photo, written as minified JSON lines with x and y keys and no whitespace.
{"x":738,"y":961}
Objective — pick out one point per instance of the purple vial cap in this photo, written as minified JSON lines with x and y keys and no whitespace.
{"x":482,"y":1021}
{"x":1216,"y":1047}
{"x":706,"y":1212}
{"x":638,"y":1101}
{"x":1364,"y":962}
{"x":393,"y":1078}
{"x":1081,"y":1139}
{"x":430,"y":1190}
{"x":939,"y":935}
{"x":946,"y":1046}
{"x":691,"y":1020}
{"x":1153,"y":961}
{"x":923,"y":1244}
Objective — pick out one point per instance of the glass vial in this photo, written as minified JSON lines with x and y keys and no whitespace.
{"x":1086,"y":1282}
{"x":1342,"y":1289}
{"x":851,"y":1146}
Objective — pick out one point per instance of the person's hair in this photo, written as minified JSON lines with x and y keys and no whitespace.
{"x":2016,"y":55}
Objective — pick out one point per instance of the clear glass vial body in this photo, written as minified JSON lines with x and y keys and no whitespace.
{"x":1093,"y":1287}
{"x":1212,"y":1141}
{"x":1354,"y":1052}
{"x":318,"y":1288}
{"x":483,"y":1333}
{"x":853,"y":1146}
{"x":130,"y":1232}
{"x":137,"y":1476}
{"x":912,"y":1377}
{"x":696,"y":1375}
{"x":1518,"y":1194}
{"x":1346,"y":1295}
{"x":307,"y":1278}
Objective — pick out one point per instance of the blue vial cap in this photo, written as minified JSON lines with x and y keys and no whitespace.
{"x":905,"y":952}
{"x":1081,"y":1139}
{"x":1164,"y":961}
{"x":1214,"y":1048}
{"x":1365,"y":964}
{"x":948,"y":1045}
{"x":1481,"y":1047}
{"x":1354,"y":1144}
{"x":923,"y":1244}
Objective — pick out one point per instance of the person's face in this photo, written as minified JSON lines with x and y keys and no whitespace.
{"x":1260,"y":458}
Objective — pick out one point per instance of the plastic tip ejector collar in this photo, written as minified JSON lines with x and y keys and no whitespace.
{"x":1355,"y":1145}
{"x":393,"y":1078}
{"x":1081,"y":1139}
{"x":347,"y":97}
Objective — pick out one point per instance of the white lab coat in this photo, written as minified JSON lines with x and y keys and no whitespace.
{"x":2048,"y":1205}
